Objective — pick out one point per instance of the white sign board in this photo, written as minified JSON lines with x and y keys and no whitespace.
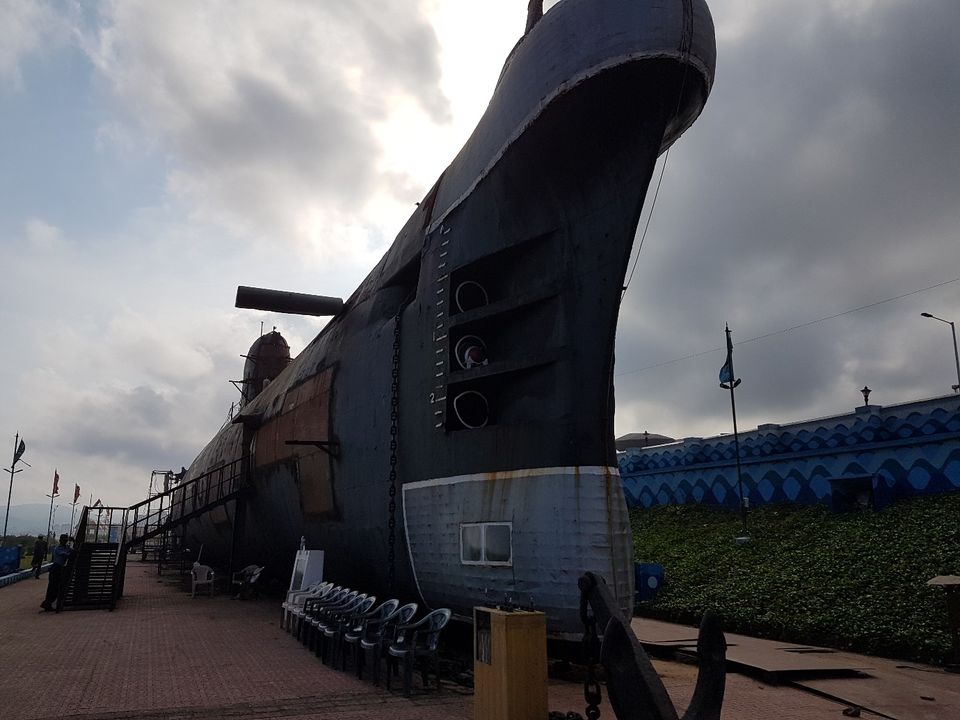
{"x":307,"y":569}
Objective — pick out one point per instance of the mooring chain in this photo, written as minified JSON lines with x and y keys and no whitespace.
{"x":394,"y":423}
{"x":591,"y":654}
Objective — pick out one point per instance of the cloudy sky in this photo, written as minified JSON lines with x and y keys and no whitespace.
{"x":153,"y":156}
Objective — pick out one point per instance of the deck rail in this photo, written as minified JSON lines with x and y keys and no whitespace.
{"x":127,"y":527}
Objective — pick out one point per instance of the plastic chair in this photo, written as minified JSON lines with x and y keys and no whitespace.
{"x":335,"y":627}
{"x":315,"y":611}
{"x":418,"y":640}
{"x":296,"y":598}
{"x":372,"y":620}
{"x":200,"y":576}
{"x":328,"y":617}
{"x":246,"y":580}
{"x":240,"y":575}
{"x":379,"y":636}
{"x":301,"y":615}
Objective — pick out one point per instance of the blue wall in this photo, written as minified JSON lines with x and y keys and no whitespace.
{"x":903,"y":450}
{"x":9,"y":560}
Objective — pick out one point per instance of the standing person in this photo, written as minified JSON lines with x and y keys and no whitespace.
{"x":39,"y":555}
{"x":61,"y":553}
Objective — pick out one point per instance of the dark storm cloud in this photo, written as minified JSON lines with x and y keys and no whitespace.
{"x":822,"y":176}
{"x":128,"y":425}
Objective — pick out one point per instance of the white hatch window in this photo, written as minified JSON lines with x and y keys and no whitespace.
{"x":489,"y":543}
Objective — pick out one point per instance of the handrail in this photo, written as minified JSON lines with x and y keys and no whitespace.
{"x":122,"y":534}
{"x":155,"y":515}
{"x":185,"y":501}
{"x":119,"y":558}
{"x":70,"y":568}
{"x":81,"y":526}
{"x":100,"y":531}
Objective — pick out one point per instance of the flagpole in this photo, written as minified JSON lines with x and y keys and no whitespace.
{"x":729,"y":381}
{"x":16,"y":441}
{"x":73,"y":508}
{"x":52,"y":495}
{"x":50,"y":516}
{"x":13,"y":471}
{"x":736,"y":451}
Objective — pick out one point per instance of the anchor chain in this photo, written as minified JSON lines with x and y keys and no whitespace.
{"x":394,"y":430}
{"x":591,"y":653}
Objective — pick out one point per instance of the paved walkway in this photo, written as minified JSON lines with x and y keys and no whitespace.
{"x":887,"y":688}
{"x":164,"y":656}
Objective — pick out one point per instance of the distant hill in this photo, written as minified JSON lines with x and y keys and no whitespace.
{"x":31,"y":518}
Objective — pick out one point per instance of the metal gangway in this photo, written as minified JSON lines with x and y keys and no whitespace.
{"x":106,"y":535}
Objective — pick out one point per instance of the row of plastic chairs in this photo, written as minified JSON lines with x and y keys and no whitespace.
{"x":342,"y":625}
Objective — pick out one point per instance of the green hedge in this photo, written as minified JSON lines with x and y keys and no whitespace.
{"x":854,"y":581}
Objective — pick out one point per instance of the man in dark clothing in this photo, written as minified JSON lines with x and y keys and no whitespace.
{"x":39,"y":555}
{"x":61,"y":553}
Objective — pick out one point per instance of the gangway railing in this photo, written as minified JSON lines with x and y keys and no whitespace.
{"x":121,"y":528}
{"x":184,"y":502}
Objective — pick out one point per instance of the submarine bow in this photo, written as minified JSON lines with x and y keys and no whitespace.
{"x":448,"y":436}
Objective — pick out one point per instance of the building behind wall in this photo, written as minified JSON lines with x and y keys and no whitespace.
{"x":867,"y":458}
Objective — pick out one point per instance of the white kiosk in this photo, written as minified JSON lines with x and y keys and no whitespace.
{"x":307,"y":570}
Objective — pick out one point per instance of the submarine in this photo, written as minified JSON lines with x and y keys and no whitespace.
{"x":448,"y":436}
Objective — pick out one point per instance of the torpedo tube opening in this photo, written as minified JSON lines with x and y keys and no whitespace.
{"x":470,"y":295}
{"x":470,"y":352}
{"x":471,"y":409}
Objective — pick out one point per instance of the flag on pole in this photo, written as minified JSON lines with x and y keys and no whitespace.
{"x":727,"y":380}
{"x":56,"y":483}
{"x":20,"y":450}
{"x":76,"y":493}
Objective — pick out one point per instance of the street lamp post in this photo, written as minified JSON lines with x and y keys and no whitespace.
{"x":956,"y":355}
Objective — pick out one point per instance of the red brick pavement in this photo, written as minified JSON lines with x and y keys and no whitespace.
{"x":162,"y":655}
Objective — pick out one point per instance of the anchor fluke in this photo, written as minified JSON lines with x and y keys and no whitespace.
{"x":636,"y":691}
{"x":711,"y":679}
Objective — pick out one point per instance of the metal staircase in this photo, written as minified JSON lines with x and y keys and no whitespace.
{"x":93,"y":577}
{"x":106,"y":535}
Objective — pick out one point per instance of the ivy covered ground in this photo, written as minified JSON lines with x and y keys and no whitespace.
{"x":853,"y":581}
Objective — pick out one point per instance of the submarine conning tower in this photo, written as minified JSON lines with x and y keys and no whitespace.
{"x":267,"y":358}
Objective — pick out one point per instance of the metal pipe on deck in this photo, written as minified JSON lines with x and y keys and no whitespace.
{"x":282,"y":301}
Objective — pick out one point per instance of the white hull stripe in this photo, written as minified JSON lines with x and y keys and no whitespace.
{"x":592,"y":470}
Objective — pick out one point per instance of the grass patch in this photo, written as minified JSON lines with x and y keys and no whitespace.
{"x":852,"y":581}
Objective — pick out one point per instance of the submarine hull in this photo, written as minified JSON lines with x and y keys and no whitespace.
{"x":476,"y":361}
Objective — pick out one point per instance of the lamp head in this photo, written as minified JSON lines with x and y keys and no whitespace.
{"x":926,"y":315}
